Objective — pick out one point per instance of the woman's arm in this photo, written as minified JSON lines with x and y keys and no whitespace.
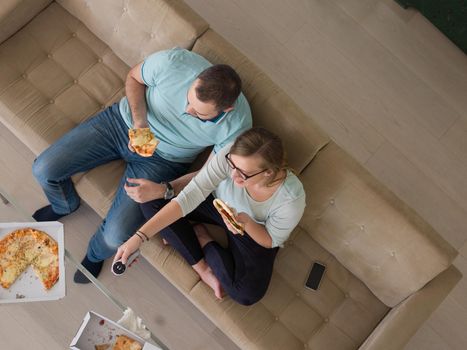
{"x":205,"y":182}
{"x":187,"y":200}
{"x":180,"y":183}
{"x":163,"y":218}
{"x":256,"y":231}
{"x":278,"y":226}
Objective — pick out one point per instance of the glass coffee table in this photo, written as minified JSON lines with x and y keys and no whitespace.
{"x":53,"y":324}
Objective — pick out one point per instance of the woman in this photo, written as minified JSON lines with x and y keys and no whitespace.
{"x":251,"y":175}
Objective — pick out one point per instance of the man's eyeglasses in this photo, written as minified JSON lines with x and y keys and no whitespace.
{"x":242,"y":174}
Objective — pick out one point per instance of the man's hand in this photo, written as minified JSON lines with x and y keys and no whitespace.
{"x":130,"y":147}
{"x":145,"y":190}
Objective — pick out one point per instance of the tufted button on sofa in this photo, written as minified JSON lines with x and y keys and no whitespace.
{"x":387,"y":269}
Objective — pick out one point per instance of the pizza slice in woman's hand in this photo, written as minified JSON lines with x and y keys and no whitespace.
{"x":228,"y":213}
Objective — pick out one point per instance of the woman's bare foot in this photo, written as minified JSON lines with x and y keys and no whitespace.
{"x":208,"y":277}
{"x":202,"y":234}
{"x":202,"y":268}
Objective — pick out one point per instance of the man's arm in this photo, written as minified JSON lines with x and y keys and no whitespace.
{"x":148,"y":190}
{"x":136,"y":94}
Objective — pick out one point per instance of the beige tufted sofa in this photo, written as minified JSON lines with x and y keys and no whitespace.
{"x":387,"y":270}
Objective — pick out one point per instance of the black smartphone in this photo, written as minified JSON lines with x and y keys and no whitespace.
{"x":316,"y":275}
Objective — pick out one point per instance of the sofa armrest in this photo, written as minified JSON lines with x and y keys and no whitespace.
{"x":14,"y":14}
{"x":403,"y":321}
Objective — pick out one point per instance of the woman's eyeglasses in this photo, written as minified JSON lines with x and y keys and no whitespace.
{"x":242,"y":174}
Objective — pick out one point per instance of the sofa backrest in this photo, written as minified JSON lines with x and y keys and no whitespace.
{"x":14,"y":14}
{"x":365,"y":226}
{"x":270,"y":106}
{"x":368,"y":229}
{"x":134,"y":29}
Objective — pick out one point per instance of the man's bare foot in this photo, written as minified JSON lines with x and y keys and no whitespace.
{"x":202,"y":234}
{"x":208,"y":277}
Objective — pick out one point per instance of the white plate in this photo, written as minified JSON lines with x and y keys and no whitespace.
{"x":28,"y":287}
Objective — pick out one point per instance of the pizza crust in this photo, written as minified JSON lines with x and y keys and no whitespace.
{"x":25,"y":247}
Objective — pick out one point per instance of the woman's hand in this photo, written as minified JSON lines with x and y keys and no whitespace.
{"x":229,"y":226}
{"x":242,"y":218}
{"x":127,"y":248}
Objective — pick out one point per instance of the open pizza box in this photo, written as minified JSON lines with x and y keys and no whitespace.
{"x":97,"y":330}
{"x":28,"y":287}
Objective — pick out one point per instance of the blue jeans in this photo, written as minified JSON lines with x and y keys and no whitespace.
{"x":99,"y":140}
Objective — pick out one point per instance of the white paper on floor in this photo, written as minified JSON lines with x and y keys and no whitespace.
{"x":134,"y":324}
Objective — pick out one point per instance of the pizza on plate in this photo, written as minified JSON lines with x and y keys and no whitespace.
{"x":24,"y":247}
{"x":143,"y":141}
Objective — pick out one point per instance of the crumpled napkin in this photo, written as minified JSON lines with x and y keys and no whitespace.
{"x":134,"y":324}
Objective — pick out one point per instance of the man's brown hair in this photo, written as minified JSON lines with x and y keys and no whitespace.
{"x":219,"y":84}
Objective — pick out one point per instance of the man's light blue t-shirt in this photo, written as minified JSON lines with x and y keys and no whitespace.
{"x":168,"y":76}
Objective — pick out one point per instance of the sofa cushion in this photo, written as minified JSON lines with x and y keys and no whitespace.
{"x":135,"y":29}
{"x":54,"y":73}
{"x":170,"y":263}
{"x":368,"y":229}
{"x":270,"y":106}
{"x":340,"y":315}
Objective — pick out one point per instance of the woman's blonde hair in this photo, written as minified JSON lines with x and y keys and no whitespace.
{"x":267,"y":146}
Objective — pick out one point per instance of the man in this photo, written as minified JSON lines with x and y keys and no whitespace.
{"x":186,"y":102}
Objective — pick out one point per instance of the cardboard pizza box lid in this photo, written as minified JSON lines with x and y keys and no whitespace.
{"x":97,"y":329}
